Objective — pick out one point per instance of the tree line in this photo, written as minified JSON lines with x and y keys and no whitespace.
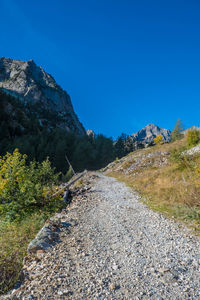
{"x":20,"y":128}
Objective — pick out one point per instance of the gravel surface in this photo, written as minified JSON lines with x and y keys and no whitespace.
{"x":114,"y":247}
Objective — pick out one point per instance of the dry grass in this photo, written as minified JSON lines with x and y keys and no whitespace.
{"x":173,"y":189}
{"x":14,"y":239}
{"x":169,"y":146}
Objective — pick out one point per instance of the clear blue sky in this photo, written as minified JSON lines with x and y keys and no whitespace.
{"x":125,"y":63}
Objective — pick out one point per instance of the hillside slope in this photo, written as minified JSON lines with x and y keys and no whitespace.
{"x":167,"y":178}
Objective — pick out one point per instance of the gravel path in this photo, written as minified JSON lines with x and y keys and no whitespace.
{"x":116,"y":248}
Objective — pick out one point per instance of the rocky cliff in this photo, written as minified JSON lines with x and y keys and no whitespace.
{"x":30,"y":83}
{"x":149,"y":132}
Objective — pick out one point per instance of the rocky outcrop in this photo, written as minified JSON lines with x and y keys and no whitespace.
{"x":137,"y":162}
{"x":46,"y":237}
{"x":192,"y":151}
{"x":148,"y":133}
{"x":90,"y":132}
{"x":30,"y":83}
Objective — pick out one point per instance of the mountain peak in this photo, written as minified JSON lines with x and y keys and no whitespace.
{"x":151,"y":125}
{"x":149,"y":132}
{"x":29,"y":82}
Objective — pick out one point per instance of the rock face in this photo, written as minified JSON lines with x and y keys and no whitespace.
{"x":90,"y":132}
{"x":149,"y":132}
{"x":30,"y":83}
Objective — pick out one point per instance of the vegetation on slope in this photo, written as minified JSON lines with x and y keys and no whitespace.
{"x":168,"y":179}
{"x":25,"y":203}
{"x":14,"y":239}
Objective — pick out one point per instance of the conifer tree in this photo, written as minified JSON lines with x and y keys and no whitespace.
{"x":177,"y":131}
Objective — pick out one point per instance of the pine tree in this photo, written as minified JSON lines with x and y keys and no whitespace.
{"x":177,"y":131}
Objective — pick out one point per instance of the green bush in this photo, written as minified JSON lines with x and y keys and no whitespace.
{"x":193,"y":138}
{"x":25,"y":188}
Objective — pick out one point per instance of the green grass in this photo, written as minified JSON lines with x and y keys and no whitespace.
{"x":14,"y":239}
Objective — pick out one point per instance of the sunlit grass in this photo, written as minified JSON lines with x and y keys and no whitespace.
{"x":14,"y":239}
{"x":173,"y":189}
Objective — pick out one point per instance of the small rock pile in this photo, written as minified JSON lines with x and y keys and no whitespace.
{"x":138,"y":161}
{"x":155,"y":159}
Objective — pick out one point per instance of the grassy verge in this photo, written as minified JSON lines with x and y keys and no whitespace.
{"x":14,"y":239}
{"x":26,"y":200}
{"x":173,"y":189}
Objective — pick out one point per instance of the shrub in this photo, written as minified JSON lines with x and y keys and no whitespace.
{"x":25,"y":188}
{"x":193,"y":138}
{"x":158,"y":139}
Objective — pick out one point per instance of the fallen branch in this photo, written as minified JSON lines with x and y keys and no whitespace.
{"x":66,"y":186}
